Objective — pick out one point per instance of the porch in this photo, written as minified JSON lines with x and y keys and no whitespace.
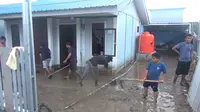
{"x":88,"y":35}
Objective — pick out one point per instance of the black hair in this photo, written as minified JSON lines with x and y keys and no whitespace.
{"x":68,"y":43}
{"x":3,"y":38}
{"x":109,"y":58}
{"x":156,"y":55}
{"x":188,"y":35}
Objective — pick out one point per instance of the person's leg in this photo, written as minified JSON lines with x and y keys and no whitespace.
{"x":145,"y":91}
{"x":185,"y":73}
{"x":45,"y":66}
{"x":86,"y":71}
{"x":154,"y":86}
{"x":95,"y":74}
{"x":178,"y":71}
{"x":67,"y":71}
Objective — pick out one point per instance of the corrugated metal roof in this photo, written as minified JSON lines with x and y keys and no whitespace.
{"x":52,"y":5}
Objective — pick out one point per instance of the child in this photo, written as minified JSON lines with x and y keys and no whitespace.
{"x":45,"y":56}
{"x":153,"y":71}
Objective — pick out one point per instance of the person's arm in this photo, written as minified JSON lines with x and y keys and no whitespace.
{"x":164,"y":73}
{"x":69,"y":55}
{"x":176,"y":47}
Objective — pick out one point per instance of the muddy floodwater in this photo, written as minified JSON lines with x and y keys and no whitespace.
{"x":58,"y":93}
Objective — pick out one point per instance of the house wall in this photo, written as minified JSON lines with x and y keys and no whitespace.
{"x":39,"y":30}
{"x":127,"y":23}
{"x":174,"y":15}
{"x":87,"y":42}
{"x":83,"y":37}
{"x":2,"y":28}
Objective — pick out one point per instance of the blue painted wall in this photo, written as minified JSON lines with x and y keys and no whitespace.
{"x":127,"y":24}
{"x":166,"y":15}
{"x":2,"y":29}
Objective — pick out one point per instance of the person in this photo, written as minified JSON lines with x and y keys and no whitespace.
{"x":153,"y":71}
{"x":185,"y":51}
{"x":2,"y":41}
{"x":71,"y":60}
{"x":45,"y":56}
{"x":92,"y":65}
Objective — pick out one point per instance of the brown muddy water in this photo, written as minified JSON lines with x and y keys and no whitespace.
{"x":58,"y":93}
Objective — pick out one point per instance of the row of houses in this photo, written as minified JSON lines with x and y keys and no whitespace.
{"x":92,"y":26}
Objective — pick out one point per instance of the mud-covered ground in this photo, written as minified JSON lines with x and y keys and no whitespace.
{"x":58,"y":93}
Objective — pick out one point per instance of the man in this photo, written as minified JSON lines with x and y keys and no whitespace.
{"x":92,"y":65}
{"x":185,"y":51}
{"x":45,"y":55}
{"x":72,"y":60}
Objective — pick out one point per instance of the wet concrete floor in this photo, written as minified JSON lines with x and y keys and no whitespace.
{"x":58,"y":93}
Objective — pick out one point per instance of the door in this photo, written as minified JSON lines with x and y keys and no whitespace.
{"x":67,"y":34}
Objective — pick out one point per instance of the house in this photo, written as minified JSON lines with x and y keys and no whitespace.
{"x":92,"y":27}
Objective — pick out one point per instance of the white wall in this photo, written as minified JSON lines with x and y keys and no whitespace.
{"x":127,"y":23}
{"x":87,"y":36}
{"x":164,"y":16}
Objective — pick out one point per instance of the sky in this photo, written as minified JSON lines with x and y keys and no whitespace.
{"x":2,"y":2}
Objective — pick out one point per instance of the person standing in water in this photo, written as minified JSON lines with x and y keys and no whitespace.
{"x":184,"y":50}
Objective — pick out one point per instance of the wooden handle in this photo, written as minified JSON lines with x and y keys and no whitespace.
{"x":140,"y":80}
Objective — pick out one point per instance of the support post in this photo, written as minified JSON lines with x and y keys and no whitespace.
{"x":29,"y":57}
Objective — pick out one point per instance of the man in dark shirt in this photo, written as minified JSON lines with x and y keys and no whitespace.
{"x":45,"y":55}
{"x":72,"y":60}
{"x":92,"y":65}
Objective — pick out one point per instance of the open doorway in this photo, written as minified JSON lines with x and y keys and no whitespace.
{"x":98,"y":39}
{"x":15,"y":35}
{"x":67,"y":34}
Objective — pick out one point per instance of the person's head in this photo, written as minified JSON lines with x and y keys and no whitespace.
{"x":188,"y":38}
{"x":156,"y":57}
{"x":109,"y":58}
{"x":2,"y":40}
{"x":68,"y":45}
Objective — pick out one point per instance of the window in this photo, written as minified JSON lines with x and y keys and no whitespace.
{"x":103,"y":40}
{"x":138,"y":29}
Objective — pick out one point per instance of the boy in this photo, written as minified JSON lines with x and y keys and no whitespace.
{"x":153,"y":71}
{"x":45,"y":55}
{"x":185,"y":51}
{"x":92,"y":64}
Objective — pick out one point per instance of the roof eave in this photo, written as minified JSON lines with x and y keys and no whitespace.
{"x":142,"y":11}
{"x":66,"y":12}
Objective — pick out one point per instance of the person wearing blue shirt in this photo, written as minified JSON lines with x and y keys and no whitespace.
{"x":185,"y":51}
{"x":153,"y":72}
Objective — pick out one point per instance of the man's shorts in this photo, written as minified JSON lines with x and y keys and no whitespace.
{"x":154,"y":85}
{"x":46,"y":63}
{"x":183,"y":68}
